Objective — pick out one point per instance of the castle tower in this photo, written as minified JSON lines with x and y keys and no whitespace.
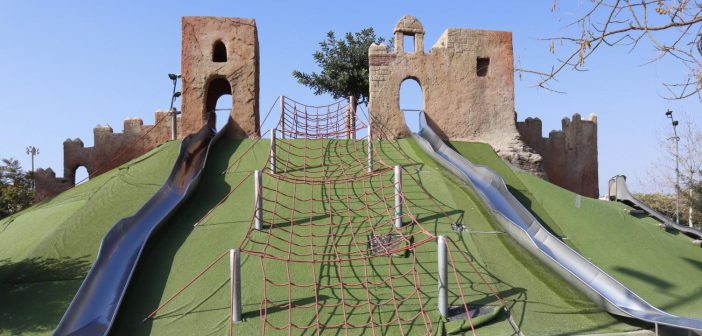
{"x":220,"y":57}
{"x":467,"y":83}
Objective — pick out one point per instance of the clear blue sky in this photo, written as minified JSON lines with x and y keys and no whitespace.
{"x":68,"y":66}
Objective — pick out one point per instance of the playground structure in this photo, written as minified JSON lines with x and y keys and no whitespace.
{"x":467,"y":81}
{"x":334,"y":218}
{"x":219,"y":57}
{"x":466,"y":78}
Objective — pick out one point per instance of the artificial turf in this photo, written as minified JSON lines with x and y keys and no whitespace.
{"x":46,"y":250}
{"x":539,"y":301}
{"x":664,"y":268}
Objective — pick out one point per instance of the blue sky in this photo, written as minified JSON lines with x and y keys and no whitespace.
{"x":68,"y":66}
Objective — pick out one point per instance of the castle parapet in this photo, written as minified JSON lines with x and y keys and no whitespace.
{"x":569,"y":155}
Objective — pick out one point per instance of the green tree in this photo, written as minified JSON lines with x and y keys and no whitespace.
{"x":344,"y":64}
{"x":15,"y":188}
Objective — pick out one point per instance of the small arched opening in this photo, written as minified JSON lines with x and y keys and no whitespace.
{"x":218,"y":106}
{"x":80,"y":175}
{"x":219,"y":52}
{"x":411,"y":102}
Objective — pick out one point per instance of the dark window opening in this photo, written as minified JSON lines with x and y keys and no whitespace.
{"x":219,"y":52}
{"x":483,"y":65}
{"x":408,"y":43}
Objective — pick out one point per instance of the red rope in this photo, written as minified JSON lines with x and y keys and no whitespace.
{"x":333,"y":232}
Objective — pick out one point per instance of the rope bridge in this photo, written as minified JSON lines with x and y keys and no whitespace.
{"x":337,"y":245}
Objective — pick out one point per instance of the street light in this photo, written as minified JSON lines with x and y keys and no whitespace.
{"x":669,"y":114}
{"x":33,"y":151}
{"x":172,"y":110}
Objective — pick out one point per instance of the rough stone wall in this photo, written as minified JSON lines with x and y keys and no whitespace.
{"x":570,"y":155}
{"x":110,"y":150}
{"x":205,"y":80}
{"x":47,"y":184}
{"x":461,"y":101}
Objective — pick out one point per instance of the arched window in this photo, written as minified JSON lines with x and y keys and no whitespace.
{"x":219,"y":52}
{"x":411,"y":102}
{"x":81,"y":175}
{"x":219,"y":103}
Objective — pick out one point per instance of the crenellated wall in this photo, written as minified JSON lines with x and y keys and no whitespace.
{"x":109,"y":151}
{"x":219,"y":57}
{"x":569,"y":155}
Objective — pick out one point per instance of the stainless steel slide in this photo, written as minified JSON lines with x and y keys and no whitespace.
{"x":618,"y":191}
{"x":526,"y":229}
{"x":95,"y":305}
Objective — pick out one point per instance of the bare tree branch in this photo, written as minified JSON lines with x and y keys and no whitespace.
{"x":672,"y":27}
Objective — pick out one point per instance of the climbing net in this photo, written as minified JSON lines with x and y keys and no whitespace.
{"x":335,"y":250}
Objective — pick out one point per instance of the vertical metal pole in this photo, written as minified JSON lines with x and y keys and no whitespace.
{"x":677,"y":174}
{"x":689,"y":208}
{"x":348,"y":120}
{"x":352,"y":105}
{"x":443,"y":276}
{"x":398,"y":197}
{"x":282,"y":117}
{"x":235,"y":273}
{"x":273,"y":131}
{"x":33,"y":151}
{"x":258,"y":216}
{"x":370,"y":150}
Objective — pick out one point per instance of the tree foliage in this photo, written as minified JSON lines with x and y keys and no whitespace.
{"x":663,"y":203}
{"x":671,"y":28}
{"x":344,"y":64}
{"x":687,"y":153}
{"x":694,"y":199}
{"x":15,"y":188}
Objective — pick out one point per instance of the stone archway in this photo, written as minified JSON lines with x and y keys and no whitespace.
{"x":216,"y":88}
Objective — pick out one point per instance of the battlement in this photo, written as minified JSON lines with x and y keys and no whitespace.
{"x":219,"y":57}
{"x":569,"y":154}
{"x":110,"y":150}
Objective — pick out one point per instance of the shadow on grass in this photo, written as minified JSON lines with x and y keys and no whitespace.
{"x":653,"y":280}
{"x":34,"y":293}
{"x":148,"y":283}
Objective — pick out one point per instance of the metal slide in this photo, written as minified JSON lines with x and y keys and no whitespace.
{"x":618,"y":191}
{"x":521,"y":225}
{"x":94,"y":308}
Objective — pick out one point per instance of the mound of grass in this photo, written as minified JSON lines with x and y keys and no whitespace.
{"x":662,"y":267}
{"x":541,"y":304}
{"x":46,"y":250}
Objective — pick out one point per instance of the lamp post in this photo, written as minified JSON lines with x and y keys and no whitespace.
{"x":676,"y":138}
{"x":33,"y":151}
{"x":172,"y":110}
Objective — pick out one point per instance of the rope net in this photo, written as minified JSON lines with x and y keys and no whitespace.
{"x":330,"y":257}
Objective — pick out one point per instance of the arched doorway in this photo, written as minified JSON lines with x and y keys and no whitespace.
{"x":219,"y":103}
{"x":80,"y":175}
{"x":411,"y":102}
